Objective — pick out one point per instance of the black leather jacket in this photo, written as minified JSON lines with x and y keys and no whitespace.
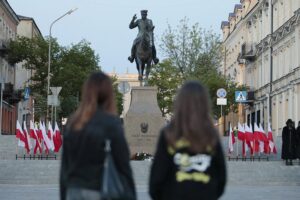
{"x":83,"y":153}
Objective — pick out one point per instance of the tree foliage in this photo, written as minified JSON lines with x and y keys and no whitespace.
{"x":165,"y":77}
{"x":118,"y":95}
{"x":192,"y":54}
{"x":70,"y":66}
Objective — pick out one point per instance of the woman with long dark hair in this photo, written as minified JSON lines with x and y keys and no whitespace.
{"x":83,"y":146}
{"x":189,"y":161}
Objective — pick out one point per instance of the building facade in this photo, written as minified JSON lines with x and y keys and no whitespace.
{"x":262,"y":50}
{"x":9,"y":95}
{"x":26,"y":28}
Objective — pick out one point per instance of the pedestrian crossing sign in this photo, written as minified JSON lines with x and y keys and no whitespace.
{"x":240,"y":96}
{"x":26,"y":93}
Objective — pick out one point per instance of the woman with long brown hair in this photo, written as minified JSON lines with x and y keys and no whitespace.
{"x":83,"y":146}
{"x":189,"y":161}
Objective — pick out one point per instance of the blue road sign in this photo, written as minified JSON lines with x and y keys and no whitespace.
{"x":26,"y":93}
{"x":221,"y":93}
{"x":240,"y":96}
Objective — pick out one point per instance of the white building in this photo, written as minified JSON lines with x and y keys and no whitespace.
{"x":26,"y":28}
{"x":8,"y":31}
{"x":262,"y":50}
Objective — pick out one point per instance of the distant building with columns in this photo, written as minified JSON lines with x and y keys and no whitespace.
{"x":261,"y":41}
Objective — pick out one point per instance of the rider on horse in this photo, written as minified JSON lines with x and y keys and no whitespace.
{"x":145,"y":26}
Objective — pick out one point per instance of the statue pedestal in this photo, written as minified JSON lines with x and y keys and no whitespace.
{"x":143,"y":120}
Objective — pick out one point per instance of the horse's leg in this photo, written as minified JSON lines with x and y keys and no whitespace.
{"x":148,"y":66}
{"x":138,"y":66}
{"x":143,"y":68}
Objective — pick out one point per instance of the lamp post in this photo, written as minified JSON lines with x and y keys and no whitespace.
{"x":49,"y":55}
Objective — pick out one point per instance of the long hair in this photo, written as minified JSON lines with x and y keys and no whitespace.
{"x":191,"y":120}
{"x":97,"y":92}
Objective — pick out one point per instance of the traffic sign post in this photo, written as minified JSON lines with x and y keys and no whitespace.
{"x":222,"y":101}
{"x":123,"y":87}
{"x":221,"y":93}
{"x":54,"y":101}
{"x":241,"y":96}
{"x":26,"y":93}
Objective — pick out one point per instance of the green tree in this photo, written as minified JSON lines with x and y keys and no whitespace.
{"x":164,"y":76}
{"x":118,"y":95}
{"x":70,"y":67}
{"x":193,"y":54}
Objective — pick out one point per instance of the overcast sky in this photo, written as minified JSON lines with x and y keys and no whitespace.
{"x":104,"y":23}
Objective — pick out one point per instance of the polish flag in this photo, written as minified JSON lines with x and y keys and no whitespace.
{"x":27,"y":135}
{"x":57,"y":138}
{"x":50,"y":134}
{"x":264,"y":140}
{"x":241,"y":136}
{"x":241,"y":132}
{"x":249,"y":137}
{"x":21,"y":136}
{"x":257,"y":138}
{"x":231,"y":140}
{"x":39,"y":133}
{"x":47,"y":142}
{"x":34,"y":135}
{"x":271,"y":141}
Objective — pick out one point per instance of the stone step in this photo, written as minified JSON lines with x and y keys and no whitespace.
{"x":31,"y":172}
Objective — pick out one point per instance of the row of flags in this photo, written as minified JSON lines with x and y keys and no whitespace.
{"x":257,"y":140}
{"x":43,"y":140}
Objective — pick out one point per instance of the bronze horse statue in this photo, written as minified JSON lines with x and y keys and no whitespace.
{"x":143,"y":57}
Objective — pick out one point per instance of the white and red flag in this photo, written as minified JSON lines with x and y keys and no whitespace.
{"x":241,"y":136}
{"x":57,"y":138}
{"x":256,"y":139}
{"x":22,"y":140}
{"x":26,"y":133}
{"x":34,"y":135}
{"x":47,"y":142}
{"x":271,"y":141}
{"x":231,"y":139}
{"x":50,"y":134}
{"x":264,"y":140}
{"x":249,"y":137}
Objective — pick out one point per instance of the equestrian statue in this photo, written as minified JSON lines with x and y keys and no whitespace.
{"x":143,"y":49}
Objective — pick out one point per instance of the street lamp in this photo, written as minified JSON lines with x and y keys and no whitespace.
{"x":49,"y":55}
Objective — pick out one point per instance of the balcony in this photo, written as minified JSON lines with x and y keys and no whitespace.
{"x":248,"y":52}
{"x":10,"y":95}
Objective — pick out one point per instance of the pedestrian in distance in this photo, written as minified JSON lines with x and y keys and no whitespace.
{"x":288,"y":142}
{"x":83,"y":155}
{"x":189,"y":161}
{"x":298,"y":142}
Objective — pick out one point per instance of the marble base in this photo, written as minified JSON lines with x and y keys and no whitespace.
{"x":143,"y":120}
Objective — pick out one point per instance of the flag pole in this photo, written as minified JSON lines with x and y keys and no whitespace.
{"x":237,"y":146}
{"x":17,"y":150}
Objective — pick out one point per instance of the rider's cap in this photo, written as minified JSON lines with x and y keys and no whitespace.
{"x":144,"y":11}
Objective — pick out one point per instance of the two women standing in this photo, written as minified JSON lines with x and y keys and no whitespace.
{"x":188,"y":164}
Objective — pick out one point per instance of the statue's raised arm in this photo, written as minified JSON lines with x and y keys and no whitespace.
{"x":133,"y":23}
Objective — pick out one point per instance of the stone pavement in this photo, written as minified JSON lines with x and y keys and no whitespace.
{"x":38,"y":179}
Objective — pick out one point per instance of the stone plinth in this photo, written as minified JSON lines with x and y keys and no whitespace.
{"x":143,"y":120}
